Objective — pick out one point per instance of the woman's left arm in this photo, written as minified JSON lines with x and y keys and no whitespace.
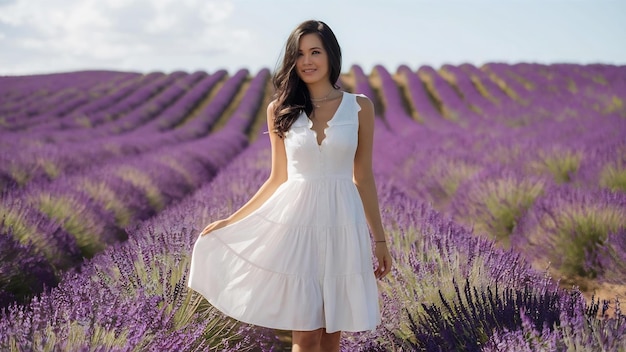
{"x":365,"y":183}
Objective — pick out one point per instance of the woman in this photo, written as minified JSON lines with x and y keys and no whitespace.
{"x":297,"y":255}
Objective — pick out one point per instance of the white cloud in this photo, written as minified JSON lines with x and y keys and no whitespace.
{"x":95,"y":33}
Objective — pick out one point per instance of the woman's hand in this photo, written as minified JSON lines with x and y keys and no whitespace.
{"x":384,"y":260}
{"x":214,"y":226}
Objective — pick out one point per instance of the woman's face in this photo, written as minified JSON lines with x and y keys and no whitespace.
{"x":312,"y":62}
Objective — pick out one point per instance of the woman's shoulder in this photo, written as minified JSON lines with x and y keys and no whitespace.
{"x":363,"y":101}
{"x":357,"y":95}
{"x":272,"y":104}
{"x":271,"y":108}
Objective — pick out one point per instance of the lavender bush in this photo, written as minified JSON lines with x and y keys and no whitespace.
{"x":94,"y":207}
{"x":568,"y":227}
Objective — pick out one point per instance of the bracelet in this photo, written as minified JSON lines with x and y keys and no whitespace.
{"x":380,"y":241}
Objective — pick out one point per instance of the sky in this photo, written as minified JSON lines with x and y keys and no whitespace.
{"x":44,"y":36}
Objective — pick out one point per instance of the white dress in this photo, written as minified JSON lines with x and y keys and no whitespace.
{"x":303,"y":259}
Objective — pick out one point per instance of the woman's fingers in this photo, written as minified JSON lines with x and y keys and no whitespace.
{"x":380,"y":268}
{"x":213,"y":226}
{"x":387,"y":266}
{"x":379,"y":271}
{"x":384,"y":266}
{"x":207,"y":229}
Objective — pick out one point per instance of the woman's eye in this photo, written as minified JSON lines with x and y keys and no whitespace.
{"x":316,"y":52}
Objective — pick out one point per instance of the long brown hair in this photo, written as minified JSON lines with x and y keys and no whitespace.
{"x":292,"y":96}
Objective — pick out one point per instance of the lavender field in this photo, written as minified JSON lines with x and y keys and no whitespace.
{"x":502,"y":190}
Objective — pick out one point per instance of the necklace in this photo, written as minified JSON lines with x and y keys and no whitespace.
{"x":314,"y":101}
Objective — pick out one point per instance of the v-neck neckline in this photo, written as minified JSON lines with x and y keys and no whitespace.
{"x":328,"y":123}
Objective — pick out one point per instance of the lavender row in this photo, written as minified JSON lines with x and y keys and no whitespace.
{"x":395,"y":114}
{"x":488,"y":87}
{"x":29,"y":93}
{"x":421,"y":100}
{"x":145,"y":87}
{"x":208,"y":116}
{"x":143,"y":109}
{"x":176,"y":113}
{"x":57,"y":159}
{"x":550,"y":139}
{"x":454,"y":108}
{"x":462,"y":81}
{"x":59,"y":102}
{"x":69,"y":105}
{"x":494,"y":177}
{"x":599,"y":87}
{"x":514,"y":85}
{"x":153,"y":309}
{"x":362,"y":86}
{"x":98,"y":108}
{"x":464,"y":93}
{"x":496,"y":192}
{"x":91,"y":210}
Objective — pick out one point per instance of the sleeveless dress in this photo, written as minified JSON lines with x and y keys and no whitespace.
{"x":303,"y":259}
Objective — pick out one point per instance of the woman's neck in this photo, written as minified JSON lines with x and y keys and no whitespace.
{"x":320,"y":90}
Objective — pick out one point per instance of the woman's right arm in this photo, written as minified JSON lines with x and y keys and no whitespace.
{"x":278,"y":175}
